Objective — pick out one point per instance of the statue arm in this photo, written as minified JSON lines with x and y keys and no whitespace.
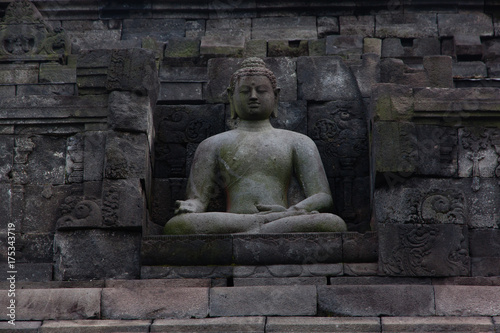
{"x":201,"y":182}
{"x":311,"y":175}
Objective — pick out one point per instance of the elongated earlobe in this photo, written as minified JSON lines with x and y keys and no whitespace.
{"x":234,"y":115}
{"x":276,"y":103}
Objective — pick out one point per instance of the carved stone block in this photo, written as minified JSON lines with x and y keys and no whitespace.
{"x":230,"y":27}
{"x":94,"y":155}
{"x":423,"y":250}
{"x":35,"y":248}
{"x":325,"y":79}
{"x":327,"y":26}
{"x":133,"y":70}
{"x":187,"y":250}
{"x":127,"y":155}
{"x":188,"y":123}
{"x":94,"y":254}
{"x":339,"y":130}
{"x":478,"y":153}
{"x":437,"y":150}
{"x":287,"y":249}
{"x":123,"y":203}
{"x":484,"y":243}
{"x":165,"y":193}
{"x":182,"y":91}
{"x":5,"y":205}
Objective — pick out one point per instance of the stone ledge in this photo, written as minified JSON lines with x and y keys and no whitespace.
{"x":322,"y":324}
{"x":437,"y":324}
{"x":222,"y":324}
{"x":95,"y":326}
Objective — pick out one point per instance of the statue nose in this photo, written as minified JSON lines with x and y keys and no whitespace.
{"x":253,"y":95}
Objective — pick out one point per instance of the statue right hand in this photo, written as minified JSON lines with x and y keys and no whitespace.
{"x":188,"y":206}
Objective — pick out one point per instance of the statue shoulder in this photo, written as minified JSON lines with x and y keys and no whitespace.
{"x":297,"y":138}
{"x":217,"y":140}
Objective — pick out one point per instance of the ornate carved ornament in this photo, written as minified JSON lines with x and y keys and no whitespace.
{"x":25,"y":35}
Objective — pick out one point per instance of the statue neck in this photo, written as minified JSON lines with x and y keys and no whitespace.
{"x":254,"y":125}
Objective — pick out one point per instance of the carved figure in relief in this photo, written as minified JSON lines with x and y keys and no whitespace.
{"x":255,"y":164}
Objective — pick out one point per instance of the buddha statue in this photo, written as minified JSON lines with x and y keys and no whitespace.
{"x":256,"y":162}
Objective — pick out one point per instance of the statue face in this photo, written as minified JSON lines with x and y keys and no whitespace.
{"x":254,"y":98}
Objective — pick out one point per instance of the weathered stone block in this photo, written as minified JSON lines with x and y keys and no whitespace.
{"x":220,"y":71}
{"x":437,"y":324}
{"x":185,"y":91}
{"x":291,"y":28}
{"x":407,"y":25}
{"x":46,"y":89}
{"x":227,"y":324}
{"x":368,"y":73}
{"x":96,"y":326}
{"x":317,"y":47}
{"x":130,"y":112}
{"x":158,"y":283}
{"x":183,"y":74}
{"x":165,"y":193}
{"x":477,"y":156}
{"x":6,"y":157}
{"x":289,"y":281}
{"x":360,"y":269}
{"x":176,"y":272}
{"x":170,"y":160}
{"x":469,"y":69}
{"x":255,"y":48}
{"x":372,"y":45}
{"x":7,"y":91}
{"x":160,"y":29}
{"x":478,"y":24}
{"x":188,"y":123}
{"x":345,"y":46}
{"x":222,"y":45}
{"x":56,"y":73}
{"x":419,"y":47}
{"x":324,"y":79}
{"x":195,"y":28}
{"x":18,"y":74}
{"x":484,"y":243}
{"x":423,"y":250}
{"x":94,"y":155}
{"x":437,"y":150}
{"x":40,"y":207}
{"x":468,"y":45}
{"x":134,"y":70}
{"x":327,"y":25}
{"x":291,"y":116}
{"x":287,"y":249}
{"x":229,"y":27}
{"x":358,"y":247}
{"x":153,"y":303}
{"x":381,"y":300}
{"x":127,"y":155}
{"x":467,"y":300}
{"x":34,"y":248}
{"x":287,"y":271}
{"x":439,"y":71}
{"x":285,"y":48}
{"x":123,"y":203}
{"x":187,"y":250}
{"x":486,"y":266}
{"x":394,"y":147}
{"x":263,"y":301}
{"x":56,"y":304}
{"x":21,"y":326}
{"x":182,"y":48}
{"x":322,"y":324}
{"x":363,"y":25}
{"x":94,"y":39}
{"x":31,"y":272}
{"x":339,"y":130}
{"x":101,"y":259}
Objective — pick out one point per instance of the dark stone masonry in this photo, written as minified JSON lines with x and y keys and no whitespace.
{"x":103,"y":104}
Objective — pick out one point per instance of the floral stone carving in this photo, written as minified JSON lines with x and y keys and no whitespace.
{"x":25,"y":34}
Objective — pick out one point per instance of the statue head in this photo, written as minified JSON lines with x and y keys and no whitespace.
{"x":253,"y":92}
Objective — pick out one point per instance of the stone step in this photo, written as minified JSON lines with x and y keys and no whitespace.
{"x":262,"y":324}
{"x":183,"y":299}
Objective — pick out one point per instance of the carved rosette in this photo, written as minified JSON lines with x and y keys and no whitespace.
{"x":24,"y":33}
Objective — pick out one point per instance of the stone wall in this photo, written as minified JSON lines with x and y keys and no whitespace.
{"x":93,"y":149}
